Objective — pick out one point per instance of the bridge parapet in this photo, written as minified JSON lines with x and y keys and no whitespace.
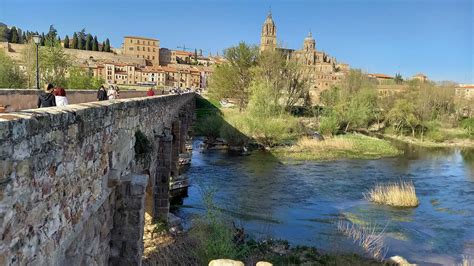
{"x":64,"y":173}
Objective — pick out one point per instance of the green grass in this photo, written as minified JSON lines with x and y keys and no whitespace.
{"x":351,"y":146}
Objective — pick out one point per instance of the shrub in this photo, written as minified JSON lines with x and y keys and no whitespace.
{"x":401,"y":194}
{"x":468,"y":124}
{"x":271,"y":131}
{"x":329,"y":125}
{"x":215,"y":237}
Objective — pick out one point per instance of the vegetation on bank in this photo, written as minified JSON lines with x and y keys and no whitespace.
{"x":350,"y":146}
{"x":269,"y":90}
{"x":400,"y":194}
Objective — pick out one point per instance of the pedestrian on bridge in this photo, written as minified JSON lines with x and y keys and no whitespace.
{"x":60,"y":97}
{"x":102,"y":94}
{"x":112,"y":93}
{"x":46,"y":98}
{"x":150,"y":92}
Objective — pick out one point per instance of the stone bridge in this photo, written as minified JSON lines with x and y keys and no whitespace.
{"x":76,"y":181}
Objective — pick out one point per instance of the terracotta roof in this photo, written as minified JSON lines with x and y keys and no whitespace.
{"x":381,"y":76}
{"x":182,"y":52}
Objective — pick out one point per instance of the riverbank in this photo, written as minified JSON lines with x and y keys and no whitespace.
{"x":460,"y":143}
{"x":182,"y":250}
{"x":350,"y":146}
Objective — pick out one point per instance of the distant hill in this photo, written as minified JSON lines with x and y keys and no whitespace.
{"x":3,"y":24}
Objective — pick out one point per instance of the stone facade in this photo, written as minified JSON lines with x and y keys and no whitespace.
{"x":140,"y":47}
{"x":73,"y":190}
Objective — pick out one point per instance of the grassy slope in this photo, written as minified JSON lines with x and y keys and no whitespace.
{"x":353,"y":146}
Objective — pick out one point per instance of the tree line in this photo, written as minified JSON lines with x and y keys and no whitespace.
{"x":80,"y":40}
{"x":55,"y":66}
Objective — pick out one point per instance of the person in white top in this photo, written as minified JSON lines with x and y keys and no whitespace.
{"x":60,"y":97}
{"x":112,"y":93}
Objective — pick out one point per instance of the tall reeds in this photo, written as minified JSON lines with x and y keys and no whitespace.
{"x":399,"y":194}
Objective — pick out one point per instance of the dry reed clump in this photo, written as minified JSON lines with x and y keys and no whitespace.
{"x":309,"y":144}
{"x":366,"y":236}
{"x":401,"y":194}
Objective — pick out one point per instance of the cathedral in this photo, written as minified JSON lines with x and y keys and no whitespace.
{"x":322,"y":70}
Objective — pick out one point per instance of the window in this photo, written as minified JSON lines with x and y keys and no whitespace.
{"x":153,"y":57}
{"x":138,"y":48}
{"x":131,"y":48}
{"x":154,"y":50}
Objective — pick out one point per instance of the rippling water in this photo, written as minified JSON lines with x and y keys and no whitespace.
{"x":301,"y":202}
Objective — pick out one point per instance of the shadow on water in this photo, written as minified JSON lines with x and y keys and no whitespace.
{"x":301,"y":202}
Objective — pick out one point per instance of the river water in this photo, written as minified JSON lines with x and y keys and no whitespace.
{"x":302,"y":201}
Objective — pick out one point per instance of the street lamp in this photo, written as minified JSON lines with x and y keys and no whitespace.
{"x":37,"y":39}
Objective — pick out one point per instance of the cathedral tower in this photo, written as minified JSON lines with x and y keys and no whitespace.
{"x":268,"y":37}
{"x":309,"y":43}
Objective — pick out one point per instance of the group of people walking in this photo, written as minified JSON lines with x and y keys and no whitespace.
{"x":52,"y":96}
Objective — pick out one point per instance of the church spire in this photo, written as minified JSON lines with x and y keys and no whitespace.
{"x":268,"y":36}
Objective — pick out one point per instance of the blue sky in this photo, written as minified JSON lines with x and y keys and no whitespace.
{"x":407,"y":36}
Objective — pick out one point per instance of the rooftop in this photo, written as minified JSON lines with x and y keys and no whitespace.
{"x":140,"y":38}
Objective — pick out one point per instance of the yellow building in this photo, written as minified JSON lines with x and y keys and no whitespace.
{"x":146,"y":48}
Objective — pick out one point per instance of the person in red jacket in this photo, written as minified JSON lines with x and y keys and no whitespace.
{"x":150,"y":92}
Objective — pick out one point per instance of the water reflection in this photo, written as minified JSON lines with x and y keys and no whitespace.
{"x":300,"y":202}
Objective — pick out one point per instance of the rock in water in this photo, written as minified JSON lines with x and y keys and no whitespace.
{"x":225,"y":262}
{"x":263,"y":263}
{"x":401,"y":261}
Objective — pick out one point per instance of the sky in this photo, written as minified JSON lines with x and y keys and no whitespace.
{"x":434,"y":37}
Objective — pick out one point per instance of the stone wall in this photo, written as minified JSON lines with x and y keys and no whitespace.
{"x":21,"y":99}
{"x":72,"y":189}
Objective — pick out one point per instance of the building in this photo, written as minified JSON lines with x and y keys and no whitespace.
{"x":140,"y":47}
{"x":421,"y":77}
{"x":465,"y":91}
{"x":382,"y":79}
{"x":322,"y":70}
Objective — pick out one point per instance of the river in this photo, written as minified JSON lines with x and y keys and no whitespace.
{"x":302,"y":201}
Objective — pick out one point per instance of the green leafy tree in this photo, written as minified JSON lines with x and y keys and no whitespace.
{"x":403,"y":115}
{"x":398,"y":78}
{"x":10,"y":74}
{"x":14,"y":37}
{"x":107,"y":46}
{"x":54,"y":63}
{"x":232,"y":79}
{"x":102,"y":48}
{"x":354,"y":101}
{"x":81,"y":40}
{"x":43,"y":39}
{"x":89,"y":42}
{"x":95,"y":44}
{"x":4,"y":33}
{"x":50,"y":39}
{"x":75,"y":41}
{"x":81,"y":79}
{"x":66,"y":42}
{"x":286,"y":78}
